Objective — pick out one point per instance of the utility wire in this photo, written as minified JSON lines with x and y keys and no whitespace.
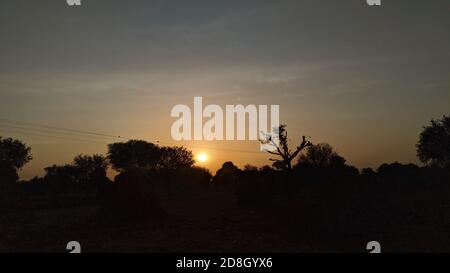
{"x":48,"y":136}
{"x":35,"y":127}
{"x":49,"y":131}
{"x":61,"y":128}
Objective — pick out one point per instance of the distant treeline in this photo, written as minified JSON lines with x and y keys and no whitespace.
{"x":319,"y":180}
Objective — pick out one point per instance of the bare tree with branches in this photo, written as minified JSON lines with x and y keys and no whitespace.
{"x":281,"y":148}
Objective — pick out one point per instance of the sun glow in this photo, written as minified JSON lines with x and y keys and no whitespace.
{"x":202,"y":157}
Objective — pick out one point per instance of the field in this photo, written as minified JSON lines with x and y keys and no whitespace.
{"x":210,"y":222}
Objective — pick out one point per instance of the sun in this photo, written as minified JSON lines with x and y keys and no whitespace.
{"x":202,"y":157}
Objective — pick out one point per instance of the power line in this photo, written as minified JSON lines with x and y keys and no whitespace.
{"x":48,"y":136}
{"x":62,"y":128}
{"x":30,"y":126}
{"x":48,"y":131}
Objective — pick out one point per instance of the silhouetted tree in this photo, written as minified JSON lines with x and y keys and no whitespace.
{"x":173,"y":159}
{"x":134,"y":154}
{"x":403,"y":173}
{"x":8,"y":175}
{"x":197,"y":174}
{"x":266,"y":168}
{"x":65,"y":174}
{"x":85,"y":175}
{"x":194,"y":179}
{"x":249,"y":167}
{"x":14,"y":154}
{"x":282,"y":150}
{"x":91,"y":171}
{"x":61,"y":181}
{"x":434,"y":143}
{"x":89,"y":164}
{"x":321,"y":155}
{"x":228,"y":175}
{"x":322,"y":166}
{"x":369,"y":174}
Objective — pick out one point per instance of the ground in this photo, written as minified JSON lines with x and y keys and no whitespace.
{"x":202,"y":223}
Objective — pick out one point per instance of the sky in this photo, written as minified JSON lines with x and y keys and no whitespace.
{"x":364,"y":79}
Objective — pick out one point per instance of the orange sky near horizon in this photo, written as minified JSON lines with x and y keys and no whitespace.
{"x":363,"y":79}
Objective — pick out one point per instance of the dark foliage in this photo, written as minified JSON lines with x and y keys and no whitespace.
{"x":434,"y":143}
{"x":327,"y":202}
{"x":227,"y":176}
{"x":14,"y":154}
{"x":131,"y":199}
{"x":134,"y":154}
